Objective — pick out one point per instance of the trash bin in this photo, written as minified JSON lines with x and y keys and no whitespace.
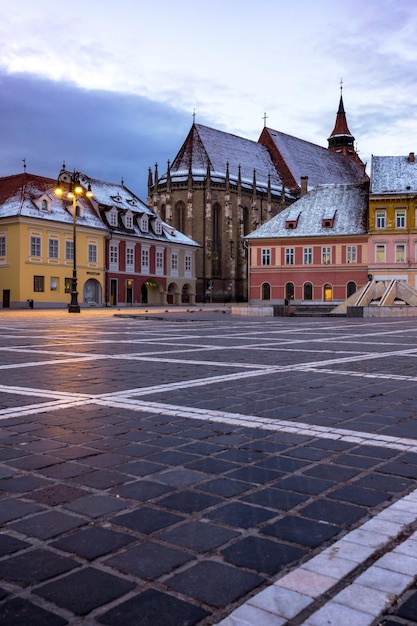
{"x":30,"y":303}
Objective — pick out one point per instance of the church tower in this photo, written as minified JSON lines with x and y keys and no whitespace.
{"x":341,"y":139}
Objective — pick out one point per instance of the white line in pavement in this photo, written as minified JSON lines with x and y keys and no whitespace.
{"x":363,"y":597}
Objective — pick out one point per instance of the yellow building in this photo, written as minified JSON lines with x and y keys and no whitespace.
{"x":37,"y":247}
{"x":392,"y":242}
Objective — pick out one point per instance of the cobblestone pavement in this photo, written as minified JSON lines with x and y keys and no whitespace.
{"x":192,"y":468}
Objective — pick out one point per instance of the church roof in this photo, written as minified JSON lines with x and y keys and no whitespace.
{"x":297,"y":158}
{"x":341,"y":128}
{"x":206,"y":146}
{"x":394,"y":174}
{"x":343,"y":206}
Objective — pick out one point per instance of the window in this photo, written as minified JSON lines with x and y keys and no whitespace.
{"x":381,"y":219}
{"x":266,"y":256}
{"x":326,"y":255}
{"x":187,"y":263}
{"x":174,"y":261}
{"x":400,"y":252}
{"x":114,"y":254}
{"x":289,"y":291}
{"x":2,"y":246}
{"x":158,"y":227}
{"x":53,"y":248}
{"x":351,"y":254}
{"x":308,"y":256}
{"x":54,"y":284}
{"x":308,"y":291}
{"x":129,"y":220}
{"x":35,"y":247}
{"x":159,"y":261}
{"x":92,"y":253}
{"x":130,"y":256}
{"x":289,"y":256}
{"x":400,"y":218}
{"x":144,"y":223}
{"x":380,"y":253}
{"x":145,"y":258}
{"x":39,"y":283}
{"x":44,"y":205}
{"x":351,"y":289}
{"x":113,"y":218}
{"x":69,"y":250}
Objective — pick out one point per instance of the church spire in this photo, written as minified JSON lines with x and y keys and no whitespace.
{"x":341,"y":139}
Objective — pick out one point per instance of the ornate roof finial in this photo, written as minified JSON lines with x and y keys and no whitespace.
{"x":24,"y":165}
{"x":265,"y":117}
{"x":193,"y":116}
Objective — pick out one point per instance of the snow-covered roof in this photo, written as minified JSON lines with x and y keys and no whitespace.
{"x":394,"y":174}
{"x":347,"y":203}
{"x":23,"y":195}
{"x":206,"y":146}
{"x":320,"y":165}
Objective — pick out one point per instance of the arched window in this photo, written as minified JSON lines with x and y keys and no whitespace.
{"x":308,"y":291}
{"x":217,"y":240}
{"x":327,"y":292}
{"x":245,"y":220}
{"x":163,"y":213}
{"x":44,"y":205}
{"x":179,"y":216}
{"x":351,"y":288}
{"x":266,"y":291}
{"x":289,"y":291}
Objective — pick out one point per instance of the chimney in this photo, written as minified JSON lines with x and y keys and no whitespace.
{"x":304,"y":185}
{"x":411,"y":157}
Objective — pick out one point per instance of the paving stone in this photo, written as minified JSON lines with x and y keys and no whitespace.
{"x":188,"y":501}
{"x":93,"y":542}
{"x":9,"y":544}
{"x":262,"y":555}
{"x":333,"y":512}
{"x":240,"y":515}
{"x":212,"y":466}
{"x":254,"y":474}
{"x":100,"y":479}
{"x":140,"y":468}
{"x":23,"y":484}
{"x":57,"y":494}
{"x":225,"y":487}
{"x":181,"y":477}
{"x":47,"y":525}
{"x":198,"y":536}
{"x":302,"y":531}
{"x":12,"y":508}
{"x":97,"y":505}
{"x":277,"y":499}
{"x":34,"y":566}
{"x":149,"y":560}
{"x":142,"y":490}
{"x":147,"y":520}
{"x":214,"y":583}
{"x":21,"y":612}
{"x":84,"y":590}
{"x":151,"y":605}
{"x":306,"y":484}
{"x":358,"y":495}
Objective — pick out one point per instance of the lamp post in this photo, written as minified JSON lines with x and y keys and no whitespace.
{"x":75,"y":190}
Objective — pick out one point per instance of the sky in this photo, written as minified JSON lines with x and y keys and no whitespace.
{"x":110,"y":88}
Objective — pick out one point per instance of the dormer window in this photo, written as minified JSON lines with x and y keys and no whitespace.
{"x":128,"y":220}
{"x":132,"y":201}
{"x":327,"y":223}
{"x":291,"y":224}
{"x":144,"y":223}
{"x":113,"y":217}
{"x":158,"y":227}
{"x":117,"y":198}
{"x":44,"y":205}
{"x":328,"y":219}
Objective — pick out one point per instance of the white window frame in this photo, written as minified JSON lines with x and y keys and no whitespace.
{"x":3,"y":247}
{"x":92,"y":253}
{"x":114,"y":256}
{"x":144,"y":223}
{"x":69,"y":250}
{"x":351,"y":254}
{"x":113,"y":218}
{"x":145,"y":254}
{"x":36,"y":246}
{"x":380,"y":250}
{"x":307,"y":256}
{"x":159,"y":261}
{"x":400,"y":253}
{"x":130,"y":257}
{"x":289,"y":256}
{"x":187,"y":265}
{"x":326,"y":255}
{"x":53,"y":248}
{"x":266,"y":256}
{"x":380,"y":218}
{"x":174,"y":263}
{"x":129,"y":220}
{"x":400,"y":218}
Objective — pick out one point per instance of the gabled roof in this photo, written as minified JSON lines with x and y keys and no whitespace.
{"x":394,"y":174}
{"x":19,"y":195}
{"x":206,"y":147}
{"x":347,"y":203}
{"x":295,"y":158}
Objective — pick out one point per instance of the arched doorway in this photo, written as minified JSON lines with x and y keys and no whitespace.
{"x":144,"y":294}
{"x":172,"y":294}
{"x":351,"y":288}
{"x":308,"y":291}
{"x":152,"y":292}
{"x":266,"y":291}
{"x":328,"y":292}
{"x":92,"y":292}
{"x":289,"y":291}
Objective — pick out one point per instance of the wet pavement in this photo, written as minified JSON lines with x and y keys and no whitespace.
{"x":191,"y":467}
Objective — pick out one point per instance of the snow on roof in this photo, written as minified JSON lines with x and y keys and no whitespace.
{"x":321,"y":165}
{"x":208,"y":146}
{"x":394,"y":174}
{"x":348,"y":204}
{"x":22,"y":194}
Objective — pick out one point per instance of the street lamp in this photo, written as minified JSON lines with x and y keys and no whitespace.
{"x":75,"y":190}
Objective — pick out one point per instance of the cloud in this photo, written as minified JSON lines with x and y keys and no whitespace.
{"x":107,"y":135}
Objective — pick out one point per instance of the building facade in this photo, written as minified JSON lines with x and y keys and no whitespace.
{"x":125,"y":254}
{"x":221,"y":187}
{"x":393,"y":218}
{"x":314,"y":251}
